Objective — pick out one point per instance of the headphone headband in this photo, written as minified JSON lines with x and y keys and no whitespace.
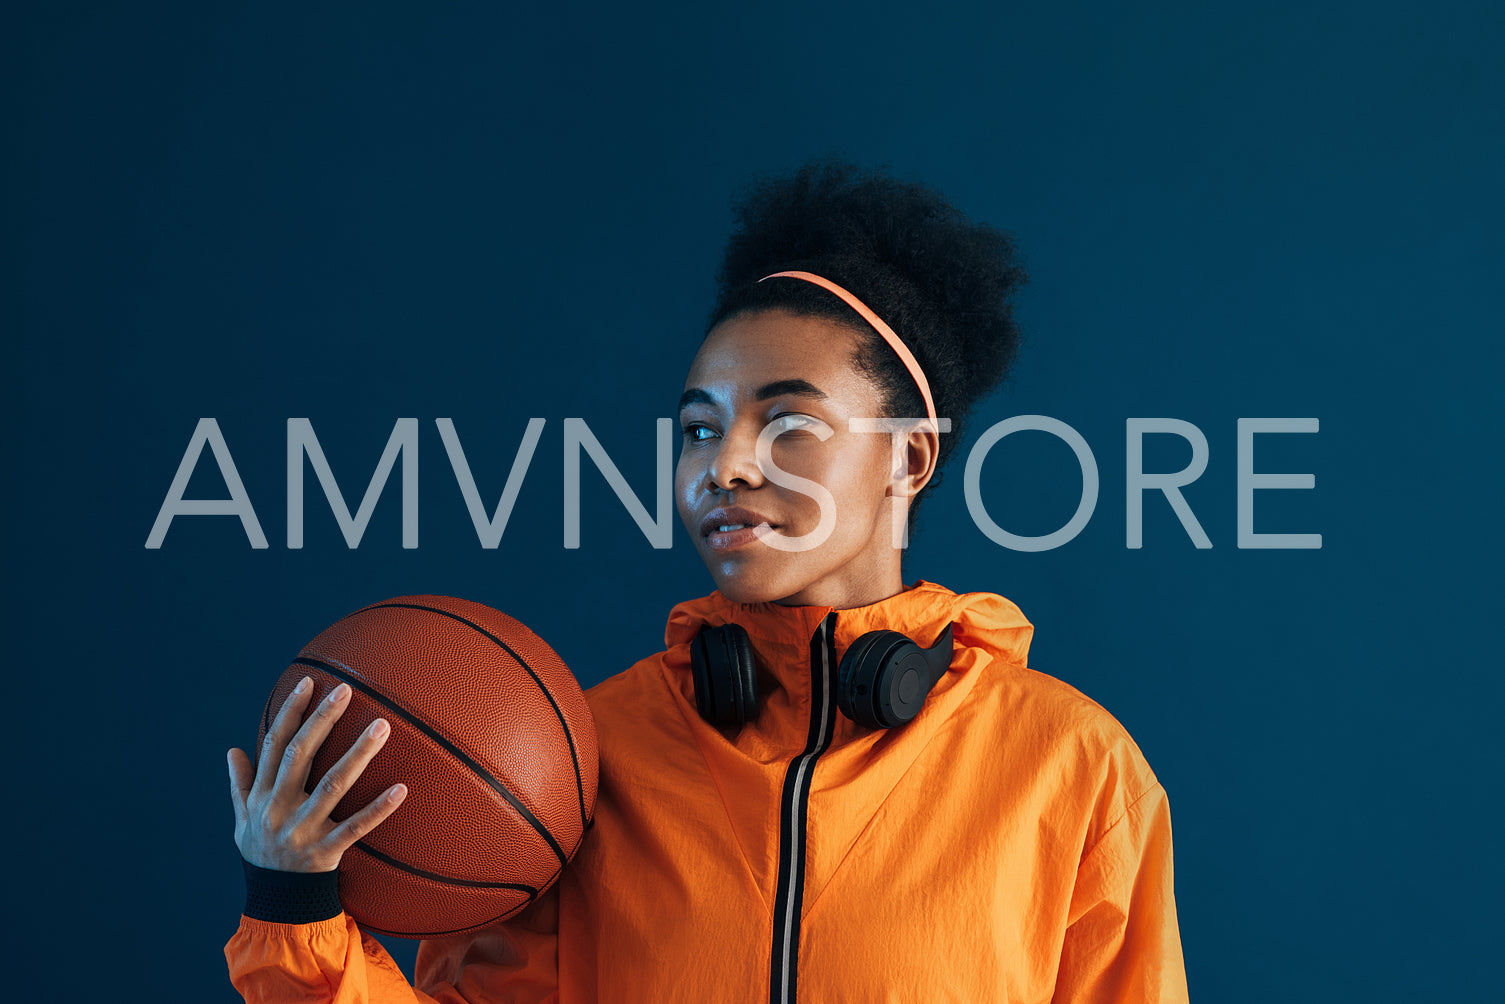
{"x":905,"y":356}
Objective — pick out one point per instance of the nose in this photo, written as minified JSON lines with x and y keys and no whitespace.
{"x":735,"y":463}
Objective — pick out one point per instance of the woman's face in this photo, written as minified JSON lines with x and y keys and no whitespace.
{"x":791,"y":379}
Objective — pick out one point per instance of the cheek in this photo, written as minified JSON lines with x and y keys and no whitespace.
{"x":856,"y":484}
{"x":685,"y":479}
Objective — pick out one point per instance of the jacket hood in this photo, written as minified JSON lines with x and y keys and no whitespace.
{"x":990,"y":625}
{"x":922,"y":611}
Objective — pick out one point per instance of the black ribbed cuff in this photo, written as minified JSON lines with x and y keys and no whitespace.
{"x":291,"y":897}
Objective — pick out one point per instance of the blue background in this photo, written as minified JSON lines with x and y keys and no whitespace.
{"x":355,"y":214}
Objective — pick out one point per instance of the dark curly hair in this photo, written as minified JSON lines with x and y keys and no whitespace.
{"x":944,"y":283}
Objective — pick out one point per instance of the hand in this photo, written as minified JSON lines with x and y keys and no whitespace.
{"x":277,"y":824}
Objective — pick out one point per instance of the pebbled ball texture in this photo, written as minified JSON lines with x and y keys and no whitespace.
{"x":491,"y":734}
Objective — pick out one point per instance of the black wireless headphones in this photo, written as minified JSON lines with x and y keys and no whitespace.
{"x":883,"y":679}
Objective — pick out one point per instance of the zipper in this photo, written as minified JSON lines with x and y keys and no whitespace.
{"x":784,"y":969}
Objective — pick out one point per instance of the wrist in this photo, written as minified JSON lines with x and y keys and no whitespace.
{"x":280,"y":897}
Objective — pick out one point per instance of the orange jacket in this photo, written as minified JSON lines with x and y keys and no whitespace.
{"x":1008,"y":844}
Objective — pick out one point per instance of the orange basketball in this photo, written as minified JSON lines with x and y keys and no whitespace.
{"x":492,"y":736}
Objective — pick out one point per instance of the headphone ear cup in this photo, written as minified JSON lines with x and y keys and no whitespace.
{"x":700,"y":673}
{"x":885,"y":677}
{"x":743,"y":674}
{"x":724,"y":671}
{"x":858,"y":676}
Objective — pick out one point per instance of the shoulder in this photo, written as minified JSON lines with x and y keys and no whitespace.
{"x":1053,"y":709}
{"x":1070,"y":743}
{"x":640,"y":705}
{"x":642,"y":679}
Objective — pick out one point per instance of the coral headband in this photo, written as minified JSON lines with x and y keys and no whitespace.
{"x":905,"y":355}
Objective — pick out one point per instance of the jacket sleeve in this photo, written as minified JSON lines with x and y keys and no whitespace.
{"x":291,"y":958}
{"x":1122,"y":943}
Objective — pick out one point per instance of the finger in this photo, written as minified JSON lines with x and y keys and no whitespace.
{"x":298,"y":754}
{"x":242,"y":774}
{"x":283,"y":726}
{"x":363,"y":822}
{"x":347,"y":770}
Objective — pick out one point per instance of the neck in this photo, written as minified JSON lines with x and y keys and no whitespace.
{"x":853,"y":586}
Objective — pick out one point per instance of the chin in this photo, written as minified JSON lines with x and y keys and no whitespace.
{"x":746,"y":585}
{"x":737,"y":589}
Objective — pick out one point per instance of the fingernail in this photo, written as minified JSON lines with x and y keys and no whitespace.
{"x":377,"y":728}
{"x":339,"y":693}
{"x":397,"y":791}
{"x":302,"y":685}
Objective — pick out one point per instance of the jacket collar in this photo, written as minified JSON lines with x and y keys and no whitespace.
{"x":921,"y":611}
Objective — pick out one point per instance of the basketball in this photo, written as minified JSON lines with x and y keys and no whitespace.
{"x":492,"y":736}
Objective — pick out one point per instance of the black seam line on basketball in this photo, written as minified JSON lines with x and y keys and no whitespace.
{"x":783,"y":979}
{"x":414,"y":935}
{"x":568,"y":738}
{"x":446,"y":879}
{"x":444,"y":934}
{"x":358,"y":684}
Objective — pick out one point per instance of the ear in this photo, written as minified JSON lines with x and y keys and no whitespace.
{"x":915,"y":460}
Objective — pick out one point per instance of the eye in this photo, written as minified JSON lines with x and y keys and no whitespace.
{"x":691,"y":432}
{"x":793,"y":422}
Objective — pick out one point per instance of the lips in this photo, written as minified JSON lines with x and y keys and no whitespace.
{"x":732,"y":516}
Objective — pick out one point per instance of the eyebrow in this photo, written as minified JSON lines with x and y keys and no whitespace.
{"x":779,"y":388}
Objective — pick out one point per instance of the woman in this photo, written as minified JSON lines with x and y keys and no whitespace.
{"x":789,"y":810}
